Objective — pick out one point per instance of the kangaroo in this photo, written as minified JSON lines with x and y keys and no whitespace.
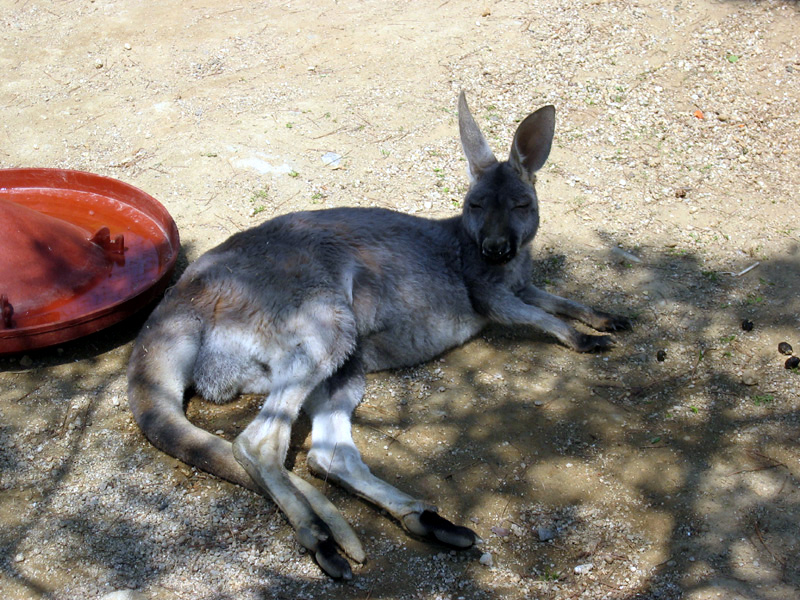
{"x":299,"y":308}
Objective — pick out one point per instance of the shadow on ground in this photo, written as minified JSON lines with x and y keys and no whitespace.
{"x":667,"y":477}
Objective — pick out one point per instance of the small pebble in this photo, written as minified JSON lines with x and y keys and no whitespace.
{"x":785,"y":348}
{"x":749,"y":377}
{"x":501,"y":531}
{"x":19,"y":557}
{"x":747,"y":325}
{"x":792,"y":362}
{"x":123,"y":595}
{"x":486,"y":559}
{"x":661,"y":355}
{"x":545,"y":534}
{"x":584,"y":568}
{"x":623,"y":256}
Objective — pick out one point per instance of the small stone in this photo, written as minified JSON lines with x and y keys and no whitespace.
{"x":98,"y":64}
{"x":127,"y":46}
{"x":545,"y":534}
{"x":747,"y":325}
{"x":793,"y":362}
{"x":661,"y":355}
{"x":501,"y":532}
{"x":749,"y":377}
{"x":486,"y":559}
{"x":584,"y":568}
{"x":785,"y":348}
{"x":623,"y":256}
{"x":26,"y":361}
{"x":123,"y":595}
{"x":19,"y":557}
{"x":332,"y":159}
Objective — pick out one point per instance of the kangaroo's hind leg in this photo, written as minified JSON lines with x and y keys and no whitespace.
{"x":261,"y":449}
{"x":334,"y":456}
{"x":314,"y":339}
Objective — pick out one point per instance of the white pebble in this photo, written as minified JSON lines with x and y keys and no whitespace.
{"x":584,"y":568}
{"x":486,"y":559}
{"x":123,"y":595}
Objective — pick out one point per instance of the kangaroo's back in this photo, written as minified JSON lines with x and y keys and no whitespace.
{"x":402,"y":276}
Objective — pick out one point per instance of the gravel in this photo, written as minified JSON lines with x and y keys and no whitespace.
{"x":670,"y":196}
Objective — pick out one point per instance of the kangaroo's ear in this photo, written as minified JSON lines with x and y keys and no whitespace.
{"x":476,"y":149}
{"x":532,"y":141}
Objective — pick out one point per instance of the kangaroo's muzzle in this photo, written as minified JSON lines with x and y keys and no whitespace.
{"x":497,"y":249}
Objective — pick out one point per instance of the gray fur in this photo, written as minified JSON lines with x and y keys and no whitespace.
{"x":301,"y":307}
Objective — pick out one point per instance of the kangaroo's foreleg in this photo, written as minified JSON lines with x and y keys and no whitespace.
{"x":556,"y":305}
{"x":335,"y":457}
{"x":508,"y":309}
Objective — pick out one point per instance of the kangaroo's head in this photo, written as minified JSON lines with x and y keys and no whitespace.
{"x":501,"y":211}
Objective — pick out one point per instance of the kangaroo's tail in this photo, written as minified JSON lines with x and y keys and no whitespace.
{"x":159,"y":373}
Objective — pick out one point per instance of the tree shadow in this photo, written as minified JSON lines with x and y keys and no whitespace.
{"x":673,"y":470}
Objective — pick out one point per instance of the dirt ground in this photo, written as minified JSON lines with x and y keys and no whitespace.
{"x":615,"y":475}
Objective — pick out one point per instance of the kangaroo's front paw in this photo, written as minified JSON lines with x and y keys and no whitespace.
{"x":603,"y":321}
{"x":429,"y":524}
{"x":583,"y":342}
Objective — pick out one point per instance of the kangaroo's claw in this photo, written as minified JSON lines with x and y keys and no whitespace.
{"x":339,"y":528}
{"x":589,"y":343}
{"x":331,"y":561}
{"x":431,"y":525}
{"x":608,"y":322}
{"x":318,"y":540}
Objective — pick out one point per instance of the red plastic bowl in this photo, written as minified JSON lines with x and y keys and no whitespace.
{"x":78,"y":252}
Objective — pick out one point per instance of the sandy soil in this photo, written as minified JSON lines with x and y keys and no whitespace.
{"x":589,"y":476}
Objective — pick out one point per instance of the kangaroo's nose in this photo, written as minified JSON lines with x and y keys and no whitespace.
{"x":496,"y":249}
